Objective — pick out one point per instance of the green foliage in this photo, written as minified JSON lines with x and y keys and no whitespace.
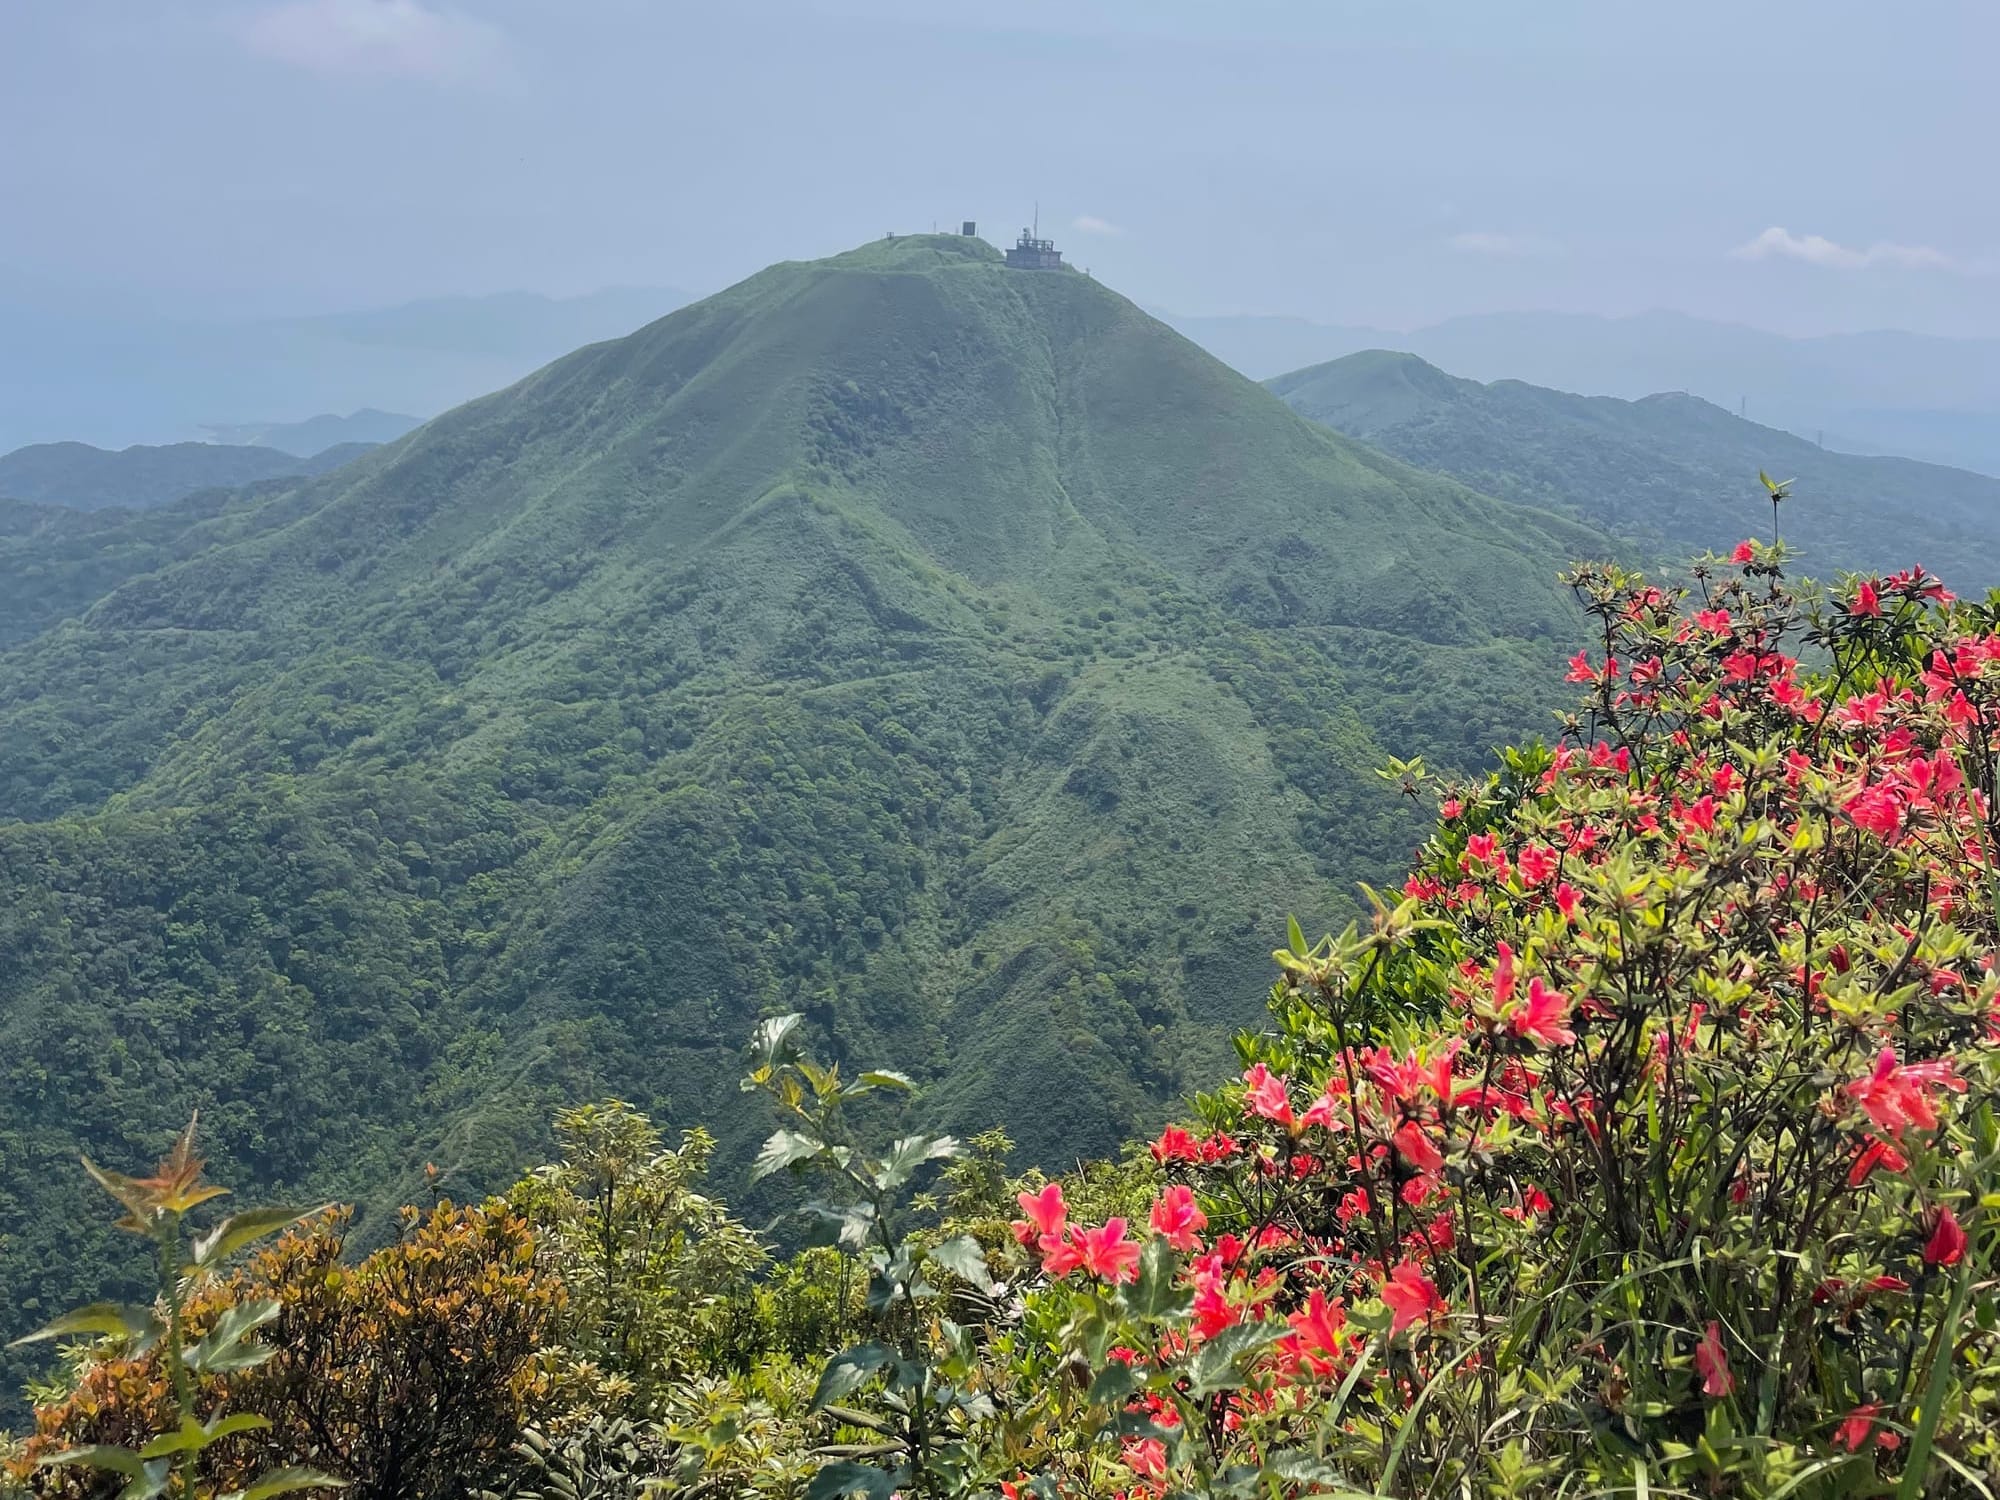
{"x":650,"y":1264}
{"x":920,"y":1361}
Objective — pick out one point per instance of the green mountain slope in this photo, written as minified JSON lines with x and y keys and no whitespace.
{"x":1672,"y":470}
{"x":86,"y":478}
{"x":954,"y":654}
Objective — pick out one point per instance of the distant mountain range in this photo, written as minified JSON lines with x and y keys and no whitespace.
{"x":1889,"y":392}
{"x":81,"y":477}
{"x":115,"y":381}
{"x":317,"y":434}
{"x":1673,"y":471}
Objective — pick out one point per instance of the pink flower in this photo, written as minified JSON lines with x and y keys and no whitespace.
{"x":1410,"y":1296}
{"x":1268,"y":1095}
{"x":1711,"y":1362}
{"x":1046,"y":1211}
{"x":1059,"y":1256}
{"x":1178,"y":1218}
{"x":1896,"y":1095}
{"x":1866,"y":601}
{"x":1567,"y":900}
{"x":1175,"y":1144}
{"x":1503,"y":975}
{"x":1745,"y":552}
{"x":1537,"y":863}
{"x":1875,"y":809}
{"x":1106,"y":1253}
{"x":1946,"y":1246}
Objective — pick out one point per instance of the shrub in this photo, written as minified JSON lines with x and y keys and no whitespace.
{"x":1646,"y":1142}
{"x":653,"y":1267}
{"x":407,"y":1376}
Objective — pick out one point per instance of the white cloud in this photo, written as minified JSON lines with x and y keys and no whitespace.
{"x":377,"y":38}
{"x":1486,"y":242}
{"x":1817,"y":250}
{"x":1091,"y":224}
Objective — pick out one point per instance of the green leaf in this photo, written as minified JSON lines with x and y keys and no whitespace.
{"x":836,"y":1481}
{"x":775,"y":1042}
{"x":848,"y":1370}
{"x":104,"y":1320}
{"x":911,"y":1152}
{"x":225,"y":1348}
{"x":1215,"y":1366}
{"x":99,"y":1456}
{"x":192,"y":1436}
{"x":845,"y":1224}
{"x":880,"y":1078}
{"x":1297,"y":937}
{"x":1156,"y":1293}
{"x":1115,"y":1384}
{"x":964,"y":1259}
{"x":285,"y":1482}
{"x":785,"y":1148}
{"x":238,"y":1230}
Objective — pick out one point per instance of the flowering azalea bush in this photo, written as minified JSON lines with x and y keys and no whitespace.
{"x":1646,"y":1142}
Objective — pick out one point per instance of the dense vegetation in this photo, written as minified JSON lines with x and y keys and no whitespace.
{"x":1645,"y":1142}
{"x":81,"y":477}
{"x":1667,"y":470}
{"x":954,"y":656}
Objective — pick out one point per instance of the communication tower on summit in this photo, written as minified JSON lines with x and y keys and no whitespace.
{"x":1032,"y":253}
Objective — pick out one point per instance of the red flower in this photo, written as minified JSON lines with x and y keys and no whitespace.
{"x":1542,"y":1016}
{"x":1946,"y":1246}
{"x":1178,"y":1218}
{"x":1106,"y":1253}
{"x":1865,"y":601}
{"x":1410,"y":1296}
{"x":1314,"y":1341}
{"x":1876,"y":1154}
{"x":1175,"y":1144}
{"x":1146,"y":1457}
{"x":1712,"y":1363}
{"x":1567,"y":900}
{"x":1416,"y":1147}
{"x":1745,"y":552}
{"x":1860,"y":1422}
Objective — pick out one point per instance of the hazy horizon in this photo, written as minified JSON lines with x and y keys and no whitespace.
{"x":1371,"y":165}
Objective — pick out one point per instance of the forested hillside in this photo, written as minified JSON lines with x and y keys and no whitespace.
{"x":1671,"y":470}
{"x":955,"y":655}
{"x":81,"y":477}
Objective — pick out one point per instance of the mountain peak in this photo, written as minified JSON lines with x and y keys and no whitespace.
{"x":914,"y":252}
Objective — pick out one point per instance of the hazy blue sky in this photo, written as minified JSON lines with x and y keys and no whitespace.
{"x":1808,"y":165}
